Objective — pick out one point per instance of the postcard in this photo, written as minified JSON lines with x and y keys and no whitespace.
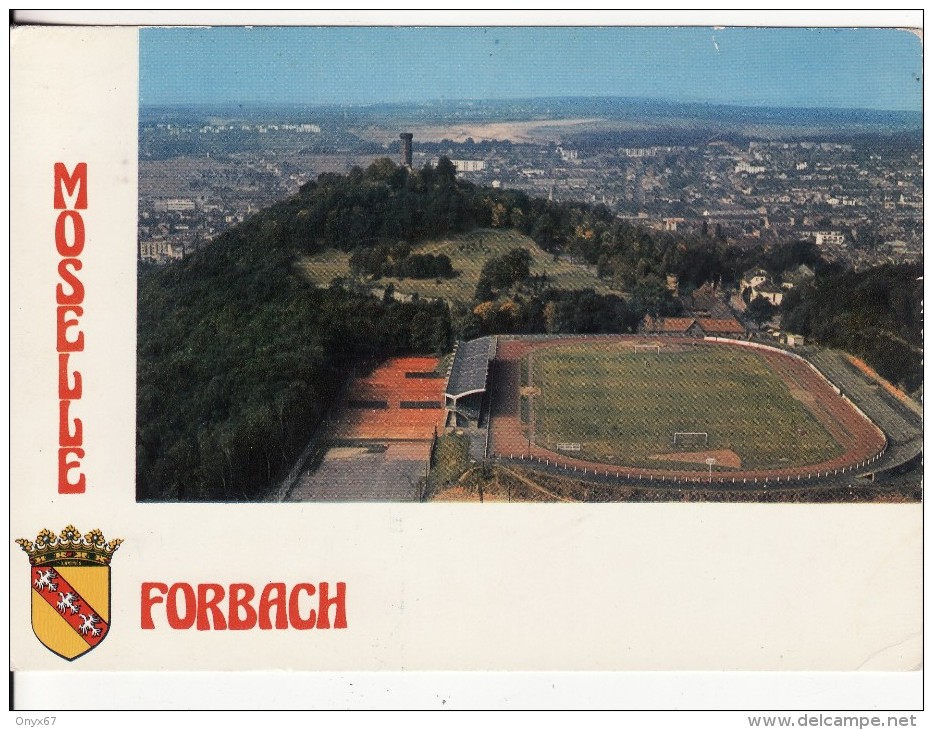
{"x":472,"y":347}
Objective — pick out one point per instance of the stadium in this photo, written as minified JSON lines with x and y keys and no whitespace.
{"x":669,"y":411}
{"x":680,"y":411}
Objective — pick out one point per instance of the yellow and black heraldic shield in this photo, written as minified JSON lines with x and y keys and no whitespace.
{"x":69,"y":579}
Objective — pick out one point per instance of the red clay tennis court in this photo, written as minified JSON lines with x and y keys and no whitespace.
{"x":402,"y":399}
{"x":378,"y":445}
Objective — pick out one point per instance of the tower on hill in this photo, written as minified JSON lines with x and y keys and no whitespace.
{"x":406,"y":138}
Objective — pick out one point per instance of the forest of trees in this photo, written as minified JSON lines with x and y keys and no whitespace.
{"x":239,"y":358}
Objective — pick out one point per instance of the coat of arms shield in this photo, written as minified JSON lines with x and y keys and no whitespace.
{"x":70,"y":589}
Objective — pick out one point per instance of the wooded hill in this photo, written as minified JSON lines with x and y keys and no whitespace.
{"x":239,"y":357}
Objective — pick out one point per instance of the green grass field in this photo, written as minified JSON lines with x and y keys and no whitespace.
{"x":622,"y":407}
{"x":468,"y":252}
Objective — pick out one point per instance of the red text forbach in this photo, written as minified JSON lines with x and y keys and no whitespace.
{"x":70,"y":196}
{"x":241,"y":606}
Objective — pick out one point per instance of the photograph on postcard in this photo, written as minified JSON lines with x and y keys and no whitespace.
{"x":426,"y":264}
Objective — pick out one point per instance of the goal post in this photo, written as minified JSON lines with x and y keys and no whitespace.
{"x":648,"y":345}
{"x":691,"y":435}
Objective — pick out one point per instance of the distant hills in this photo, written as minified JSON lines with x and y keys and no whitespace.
{"x":614,"y":112}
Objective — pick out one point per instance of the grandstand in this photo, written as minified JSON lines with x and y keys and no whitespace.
{"x":465,"y":389}
{"x":902,"y":426}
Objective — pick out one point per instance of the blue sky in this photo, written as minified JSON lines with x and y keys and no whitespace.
{"x":838,"y":68}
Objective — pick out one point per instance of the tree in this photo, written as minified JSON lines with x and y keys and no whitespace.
{"x":445,"y":174}
{"x":484,"y":291}
{"x":501,"y":272}
{"x":760,"y":310}
{"x":381,"y":170}
{"x":518,"y":264}
{"x":651,"y":296}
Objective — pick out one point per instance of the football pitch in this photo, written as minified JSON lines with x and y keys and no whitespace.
{"x":621,"y":407}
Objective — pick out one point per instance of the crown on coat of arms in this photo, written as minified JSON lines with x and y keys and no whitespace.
{"x":70,"y":545}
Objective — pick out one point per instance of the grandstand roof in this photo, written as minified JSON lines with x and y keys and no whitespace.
{"x":470,"y":367}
